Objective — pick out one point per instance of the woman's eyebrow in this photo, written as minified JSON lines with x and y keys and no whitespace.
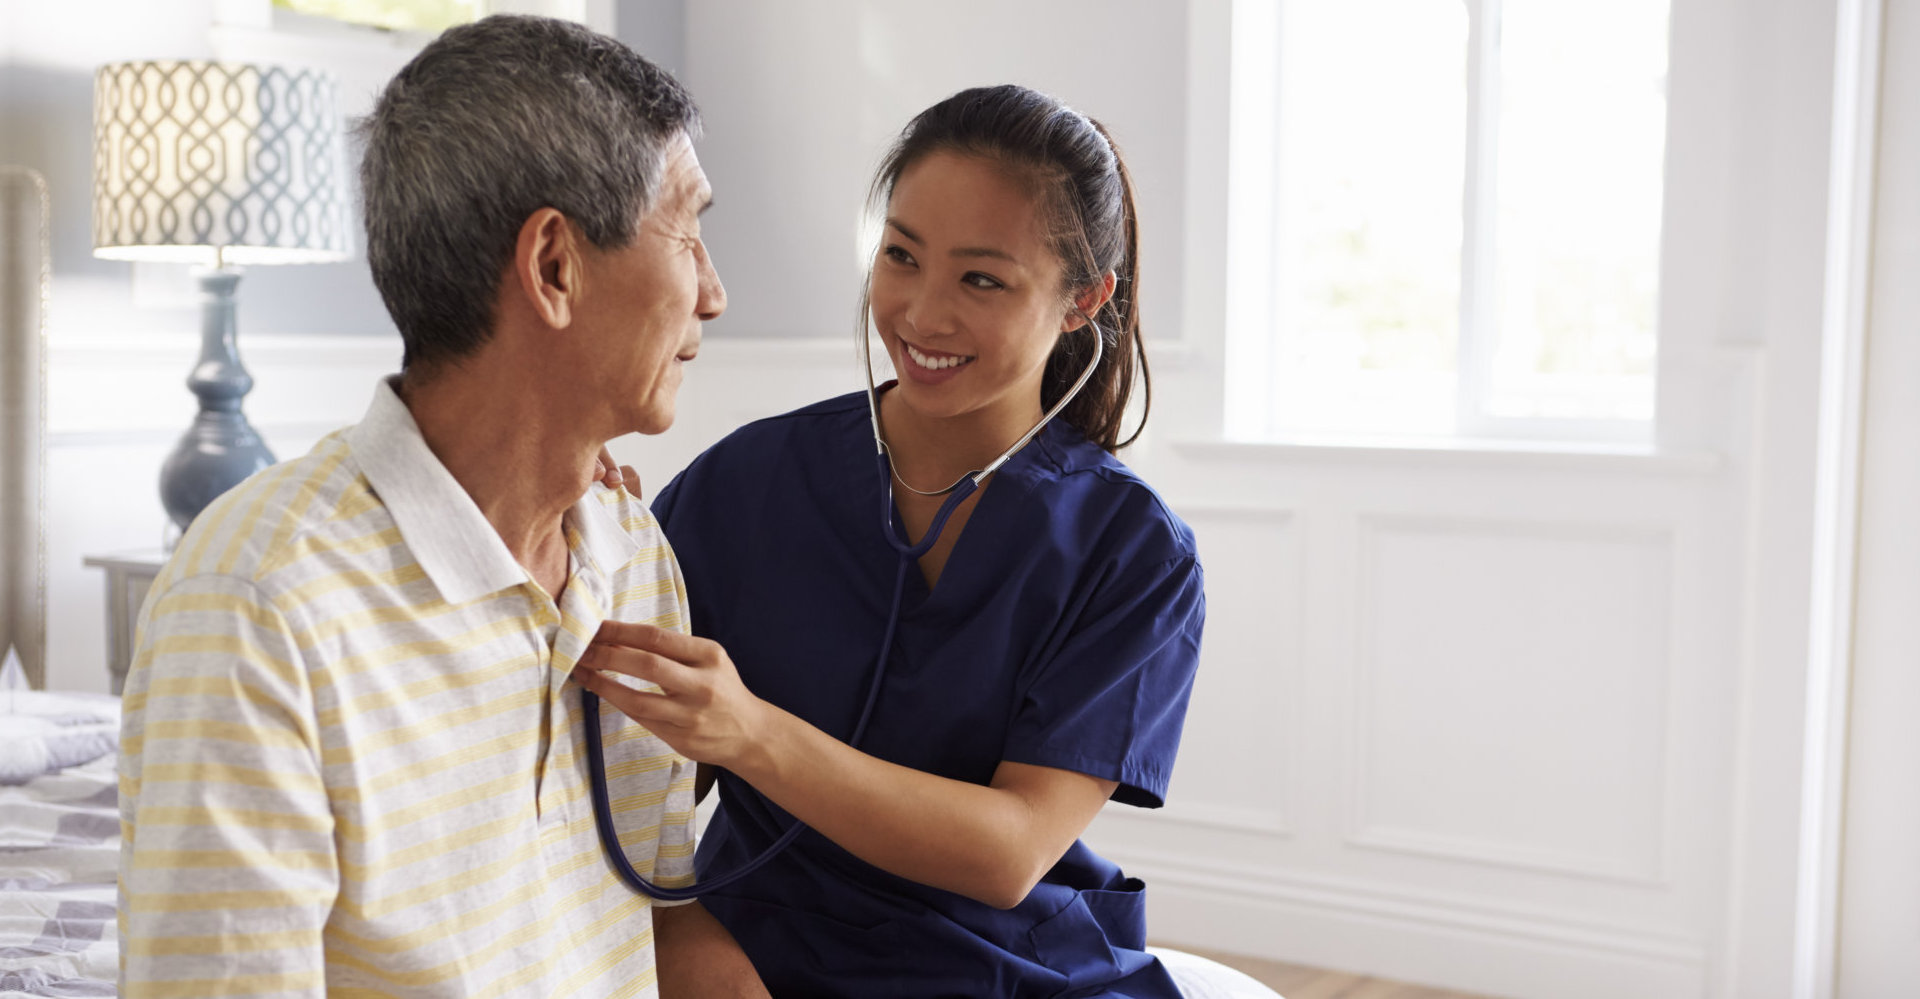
{"x":903,"y":230}
{"x":983,"y":251}
{"x":963,"y":251}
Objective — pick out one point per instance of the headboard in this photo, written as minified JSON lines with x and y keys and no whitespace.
{"x":24,"y":275}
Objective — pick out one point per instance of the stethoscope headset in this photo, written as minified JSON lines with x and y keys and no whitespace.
{"x":909,"y":553}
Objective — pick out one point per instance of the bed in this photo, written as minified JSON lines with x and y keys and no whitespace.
{"x":59,"y":840}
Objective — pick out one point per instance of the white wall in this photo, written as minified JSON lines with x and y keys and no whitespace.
{"x":801,"y":99}
{"x":656,"y":29}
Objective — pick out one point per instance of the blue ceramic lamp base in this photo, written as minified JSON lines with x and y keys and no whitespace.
{"x":221,"y":449}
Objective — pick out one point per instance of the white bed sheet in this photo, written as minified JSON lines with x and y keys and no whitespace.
{"x":59,"y":844}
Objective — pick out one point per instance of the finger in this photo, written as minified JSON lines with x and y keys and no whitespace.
{"x":631,"y":479}
{"x":649,"y":709}
{"x":673,"y":679}
{"x":605,"y":470}
{"x":629,"y":662}
{"x":650,"y":638}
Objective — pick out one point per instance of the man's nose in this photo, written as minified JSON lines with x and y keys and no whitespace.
{"x":712,"y":298}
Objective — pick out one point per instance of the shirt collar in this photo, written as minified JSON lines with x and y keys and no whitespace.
{"x":455,"y":544}
{"x":452,"y":540}
{"x":604,"y":540}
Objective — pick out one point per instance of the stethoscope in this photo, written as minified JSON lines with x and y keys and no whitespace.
{"x":909,"y":553}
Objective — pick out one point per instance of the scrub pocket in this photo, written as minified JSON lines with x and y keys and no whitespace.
{"x":1098,"y":937}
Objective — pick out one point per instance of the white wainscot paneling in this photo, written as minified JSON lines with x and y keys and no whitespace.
{"x":1511,"y":696}
{"x":1500,"y":748}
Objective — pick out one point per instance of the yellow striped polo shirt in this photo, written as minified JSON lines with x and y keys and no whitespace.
{"x":352,"y":761}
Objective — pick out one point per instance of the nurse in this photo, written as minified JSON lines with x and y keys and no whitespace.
{"x":1046,"y":644}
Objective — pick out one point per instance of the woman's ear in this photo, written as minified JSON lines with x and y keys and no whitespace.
{"x":547,"y":266}
{"x":1088,"y":302}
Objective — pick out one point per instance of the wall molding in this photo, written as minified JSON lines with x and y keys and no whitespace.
{"x":105,"y":347}
{"x":1267,"y":822}
{"x":1439,"y":911}
{"x":1463,"y":453}
{"x":156,"y":436}
{"x":1478,"y":851}
{"x":97,"y":349}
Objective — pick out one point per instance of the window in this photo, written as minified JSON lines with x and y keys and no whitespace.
{"x":1446,"y":217}
{"x":393,"y":15}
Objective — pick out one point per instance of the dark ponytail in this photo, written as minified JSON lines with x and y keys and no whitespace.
{"x":1072,"y":167}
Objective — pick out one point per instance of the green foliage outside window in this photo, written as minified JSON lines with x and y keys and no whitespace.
{"x":394,"y":15}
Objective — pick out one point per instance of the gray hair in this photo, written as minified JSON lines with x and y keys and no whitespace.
{"x":490,"y":123}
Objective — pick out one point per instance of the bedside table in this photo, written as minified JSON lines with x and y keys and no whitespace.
{"x":129,"y":576}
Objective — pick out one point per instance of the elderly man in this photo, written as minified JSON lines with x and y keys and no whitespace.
{"x":352,"y":760}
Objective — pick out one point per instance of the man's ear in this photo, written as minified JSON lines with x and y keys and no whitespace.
{"x":1088,"y":302}
{"x":547,"y":266}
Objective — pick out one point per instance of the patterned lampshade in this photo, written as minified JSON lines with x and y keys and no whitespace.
{"x":217,"y":163}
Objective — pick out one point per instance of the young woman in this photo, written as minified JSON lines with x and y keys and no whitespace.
{"x":1024,"y":664}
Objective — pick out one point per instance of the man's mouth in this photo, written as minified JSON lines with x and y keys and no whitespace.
{"x":935,"y":362}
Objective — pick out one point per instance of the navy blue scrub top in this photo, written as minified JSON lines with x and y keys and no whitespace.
{"x":1064,"y":633}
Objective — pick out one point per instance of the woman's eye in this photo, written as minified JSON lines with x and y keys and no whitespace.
{"x":986,"y":282}
{"x":897,"y":255}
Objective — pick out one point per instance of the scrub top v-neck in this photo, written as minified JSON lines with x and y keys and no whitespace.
{"x":1064,"y":632}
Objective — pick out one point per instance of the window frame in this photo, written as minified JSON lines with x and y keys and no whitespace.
{"x":314,"y":40}
{"x":1254,"y":223}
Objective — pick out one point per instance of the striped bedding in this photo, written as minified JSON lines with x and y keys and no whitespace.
{"x":59,"y":843}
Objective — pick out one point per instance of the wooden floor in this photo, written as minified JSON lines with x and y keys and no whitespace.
{"x":1297,"y":981}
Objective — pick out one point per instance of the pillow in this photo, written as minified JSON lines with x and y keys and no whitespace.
{"x":43,"y":733}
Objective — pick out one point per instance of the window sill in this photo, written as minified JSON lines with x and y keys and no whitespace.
{"x":1457,"y":452}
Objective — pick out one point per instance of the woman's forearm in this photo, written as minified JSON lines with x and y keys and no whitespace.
{"x":989,"y":843}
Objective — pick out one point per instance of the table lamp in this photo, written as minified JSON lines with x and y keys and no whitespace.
{"x":216,"y":164}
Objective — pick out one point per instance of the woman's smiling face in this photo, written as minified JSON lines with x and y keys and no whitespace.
{"x":966,"y":290}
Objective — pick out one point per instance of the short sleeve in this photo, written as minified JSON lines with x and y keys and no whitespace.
{"x":228,"y":872}
{"x":1111,"y":702}
{"x":666,"y":501}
